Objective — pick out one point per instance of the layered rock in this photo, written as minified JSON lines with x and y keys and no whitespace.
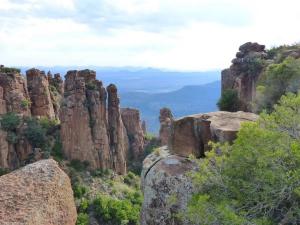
{"x":134,"y":129}
{"x":39,"y":193}
{"x":118,"y":137}
{"x":191,"y":134}
{"x":87,"y":132}
{"x":244,"y":73}
{"x":165,"y":119}
{"x":38,"y":88}
{"x":13,"y":94}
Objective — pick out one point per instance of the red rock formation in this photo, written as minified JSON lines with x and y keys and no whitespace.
{"x":244,"y":72}
{"x":37,"y":194}
{"x":165,"y":120}
{"x":76,"y":132}
{"x":136,"y":136}
{"x":38,"y":88}
{"x":13,"y":94}
{"x":117,"y":131}
{"x":87,"y":132}
{"x":191,"y":134}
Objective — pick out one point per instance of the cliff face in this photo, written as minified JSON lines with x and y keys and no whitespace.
{"x":13,"y":94}
{"x":166,"y":185}
{"x":39,"y":193}
{"x":38,"y":88}
{"x":99,"y":139}
{"x":135,"y":132}
{"x":165,"y":119}
{"x":244,"y":73}
{"x":92,"y":128}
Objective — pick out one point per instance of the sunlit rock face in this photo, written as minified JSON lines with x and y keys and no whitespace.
{"x":39,"y":193}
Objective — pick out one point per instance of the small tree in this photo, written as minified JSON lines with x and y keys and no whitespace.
{"x":10,"y":121}
{"x":229,"y":101}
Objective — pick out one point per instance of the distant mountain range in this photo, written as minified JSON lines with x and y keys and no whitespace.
{"x":150,"y":80}
{"x":185,"y":101}
{"x":149,"y":89}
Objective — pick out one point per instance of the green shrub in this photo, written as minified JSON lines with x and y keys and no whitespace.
{"x":117,"y":211}
{"x":35,"y":133}
{"x":79,"y":191}
{"x":10,"y":121}
{"x":25,"y":103}
{"x":12,"y":137}
{"x":79,"y":165}
{"x":229,"y":101}
{"x":82,"y":219}
{"x":9,"y":70}
{"x":47,"y":123}
{"x":3,"y":171}
{"x":84,"y":205}
{"x":56,"y":151}
{"x":256,"y":180}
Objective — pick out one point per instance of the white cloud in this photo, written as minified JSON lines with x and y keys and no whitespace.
{"x":174,"y":34}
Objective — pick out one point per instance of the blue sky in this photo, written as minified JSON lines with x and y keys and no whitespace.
{"x":171,"y":34}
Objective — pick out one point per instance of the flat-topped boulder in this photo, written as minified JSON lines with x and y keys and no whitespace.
{"x":39,"y":193}
{"x":190,"y":135}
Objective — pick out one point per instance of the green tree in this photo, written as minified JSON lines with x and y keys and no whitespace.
{"x":229,"y":101}
{"x":10,"y":121}
{"x":257,"y":179}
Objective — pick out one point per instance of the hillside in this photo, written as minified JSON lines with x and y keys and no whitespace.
{"x":185,"y":101}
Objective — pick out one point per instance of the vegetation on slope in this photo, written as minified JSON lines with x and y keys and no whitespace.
{"x":257,"y":179}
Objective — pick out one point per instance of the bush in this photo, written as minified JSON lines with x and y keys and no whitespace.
{"x":256,"y":180}
{"x":79,"y":165}
{"x":84,"y":205}
{"x":12,"y":137}
{"x":9,"y":70}
{"x":79,"y":191}
{"x":47,"y":123}
{"x":10,"y":122}
{"x":25,"y":103}
{"x":117,"y":211}
{"x":35,"y":133}
{"x":82,"y":219}
{"x":56,"y":151}
{"x":229,"y":101}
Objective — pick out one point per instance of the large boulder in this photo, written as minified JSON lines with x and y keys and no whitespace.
{"x":39,"y":193}
{"x":167,"y":188}
{"x":190,"y":135}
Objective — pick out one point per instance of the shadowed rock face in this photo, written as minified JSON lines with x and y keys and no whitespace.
{"x":165,"y":119}
{"x":118,"y":137}
{"x":136,"y":136}
{"x":39,"y":193}
{"x":244,"y":73}
{"x":38,"y":88}
{"x":191,"y":134}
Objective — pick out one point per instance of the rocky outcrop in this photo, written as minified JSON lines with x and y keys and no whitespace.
{"x":191,"y":134}
{"x":165,"y":119}
{"x":13,"y":94}
{"x":100,"y":139}
{"x":134,"y":129}
{"x":167,"y":188}
{"x":244,"y":73}
{"x":39,"y":193}
{"x":166,"y":185}
{"x":38,"y":88}
{"x":118,"y":137}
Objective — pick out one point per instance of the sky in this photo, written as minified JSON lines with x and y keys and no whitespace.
{"x":184,"y":35}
